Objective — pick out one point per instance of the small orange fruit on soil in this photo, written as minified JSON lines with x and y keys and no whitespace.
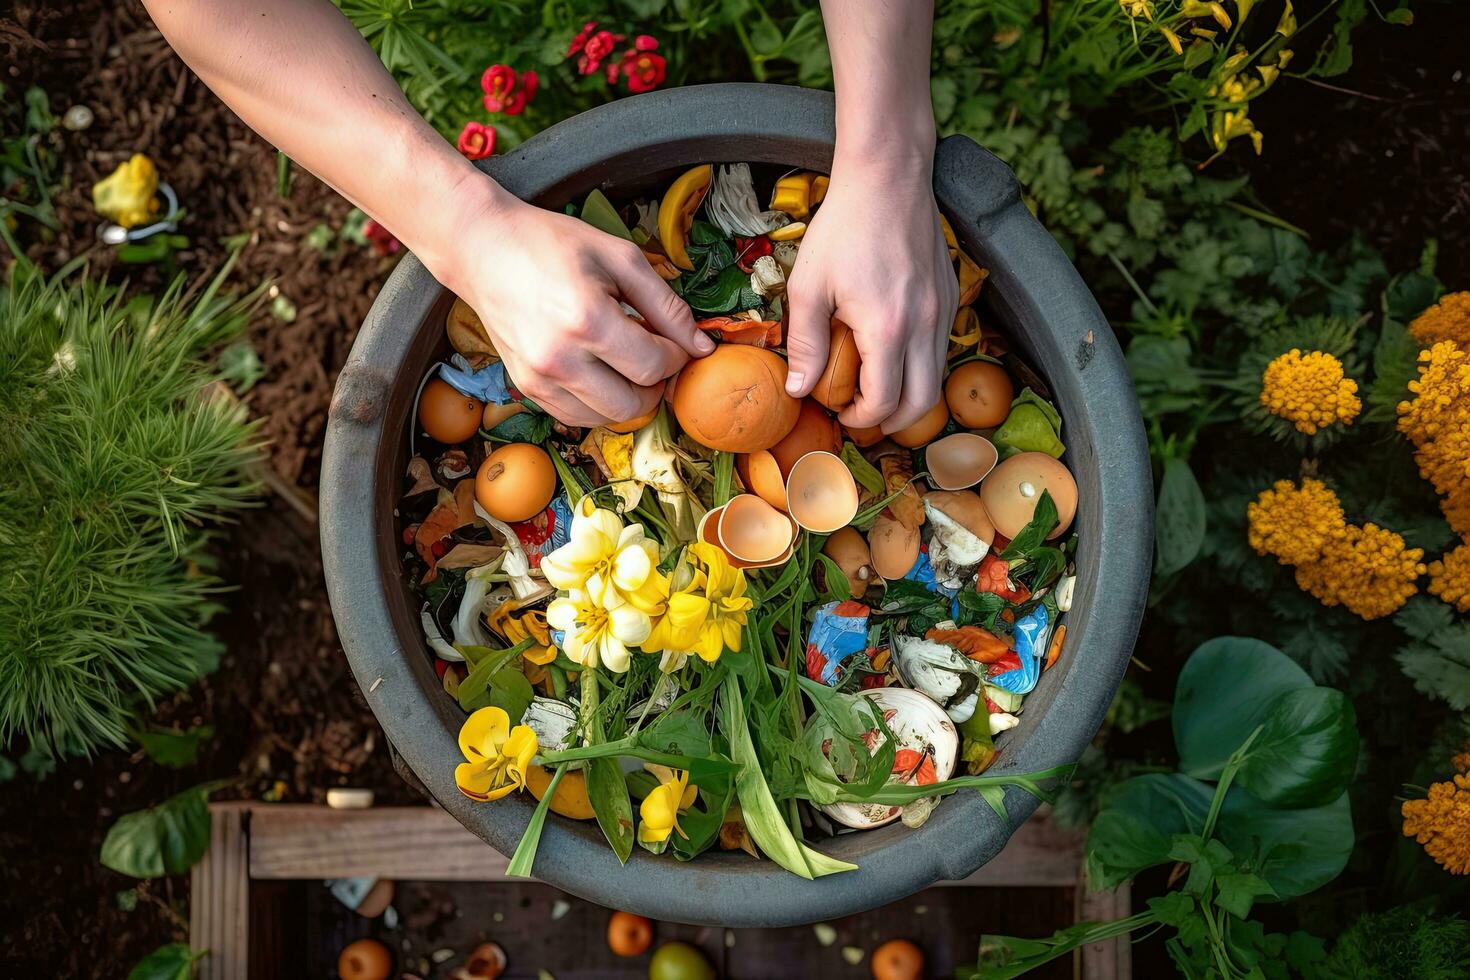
{"x":366,"y":959}
{"x":629,"y":934}
{"x":897,"y":959}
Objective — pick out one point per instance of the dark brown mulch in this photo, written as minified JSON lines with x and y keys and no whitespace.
{"x":288,"y":718}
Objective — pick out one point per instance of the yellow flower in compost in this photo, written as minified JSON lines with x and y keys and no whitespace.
{"x":1449,"y":578}
{"x":1437,"y":421}
{"x":1441,"y":821}
{"x":595,"y":635}
{"x":128,"y":195}
{"x":498,"y":755}
{"x":531,"y":625}
{"x":1368,"y":571}
{"x":613,"y":564}
{"x":1295,"y":524}
{"x":1309,"y":390}
{"x":659,"y":812}
{"x":1449,"y":319}
{"x":708,"y":616}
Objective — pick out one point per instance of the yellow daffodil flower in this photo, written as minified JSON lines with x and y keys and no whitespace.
{"x":497,"y":755}
{"x":614,"y":565}
{"x":659,"y":812}
{"x":707,"y":616}
{"x":595,"y":635}
{"x":128,"y":195}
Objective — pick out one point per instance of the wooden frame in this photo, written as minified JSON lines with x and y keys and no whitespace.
{"x":262,"y":842}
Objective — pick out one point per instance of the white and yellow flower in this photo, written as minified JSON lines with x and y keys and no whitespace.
{"x":613,"y":564}
{"x":593,"y":634}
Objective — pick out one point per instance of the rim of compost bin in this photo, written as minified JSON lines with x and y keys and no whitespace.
{"x":1047,"y":311}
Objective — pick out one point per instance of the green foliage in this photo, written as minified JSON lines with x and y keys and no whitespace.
{"x":27,"y":163}
{"x":115,"y":459}
{"x":167,"y":839}
{"x":175,"y":749}
{"x":172,"y":962}
{"x":1437,"y":658}
{"x":1410,"y":941}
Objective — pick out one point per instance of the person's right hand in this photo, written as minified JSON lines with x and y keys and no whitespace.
{"x":547,"y":287}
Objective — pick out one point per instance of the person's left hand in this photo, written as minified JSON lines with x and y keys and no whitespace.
{"x":874,"y":256}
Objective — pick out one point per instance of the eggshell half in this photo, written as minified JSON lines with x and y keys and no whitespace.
{"x":894,"y":547}
{"x":847,"y":548}
{"x":1012,"y":489}
{"x":965,"y":508}
{"x":960,"y":460}
{"x":821,"y":494}
{"x":752,"y":530}
{"x":815,"y":431}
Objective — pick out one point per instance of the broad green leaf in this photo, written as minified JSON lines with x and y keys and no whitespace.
{"x":173,"y":748}
{"x":1238,"y":892}
{"x":166,"y":839}
{"x":1295,"y":851}
{"x":609,"y":797}
{"x":1179,"y":528}
{"x":172,"y":962}
{"x":599,"y":212}
{"x":1135,"y":828}
{"x":1225,"y":690}
{"x":1307,"y":751}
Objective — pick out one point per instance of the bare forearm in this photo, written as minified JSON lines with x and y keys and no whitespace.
{"x":880,"y":68}
{"x":302,"y":77}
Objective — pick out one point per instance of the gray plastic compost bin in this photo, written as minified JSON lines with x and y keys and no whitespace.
{"x":1034,"y":294}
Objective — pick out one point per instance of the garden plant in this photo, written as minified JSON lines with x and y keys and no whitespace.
{"x":1284,"y":777}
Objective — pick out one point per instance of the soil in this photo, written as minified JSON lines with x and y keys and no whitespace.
{"x":1389,"y":139}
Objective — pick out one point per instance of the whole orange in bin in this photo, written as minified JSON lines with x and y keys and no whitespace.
{"x":735,"y":399}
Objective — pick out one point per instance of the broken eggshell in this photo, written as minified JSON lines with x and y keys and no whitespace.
{"x":959,"y":461}
{"x":941,"y":673}
{"x":1013,"y":488}
{"x":765,"y":471}
{"x":748,"y":514}
{"x":917,"y":724}
{"x":821,"y":494}
{"x":837,"y":386}
{"x":894,"y":547}
{"x":958,"y":542}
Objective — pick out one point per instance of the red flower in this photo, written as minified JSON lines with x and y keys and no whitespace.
{"x":747,"y":250}
{"x":580,"y":41}
{"x":597,"y":47}
{"x":507,"y":92}
{"x":612,"y":69}
{"x":644,"y":70}
{"x":645,"y":42}
{"x":476,"y":140}
{"x":381,"y":238}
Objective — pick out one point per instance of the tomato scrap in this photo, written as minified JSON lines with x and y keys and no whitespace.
{"x":978,"y":644}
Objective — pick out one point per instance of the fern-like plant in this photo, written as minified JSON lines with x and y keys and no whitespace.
{"x":113,"y":462}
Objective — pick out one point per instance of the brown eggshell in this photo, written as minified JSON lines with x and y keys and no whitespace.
{"x":762,"y":477}
{"x":837,"y":386}
{"x":847,"y":548}
{"x":815,"y":432}
{"x":863,"y":438}
{"x":447,"y":415}
{"x":960,"y":460}
{"x":752,"y":530}
{"x":965,"y":508}
{"x":922,"y":432}
{"x":516,"y":482}
{"x":821,"y":494}
{"x":979,"y":394}
{"x":894,"y":547}
{"x":735,"y":399}
{"x":1012,"y":489}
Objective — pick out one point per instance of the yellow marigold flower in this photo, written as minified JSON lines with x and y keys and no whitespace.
{"x":1441,"y":822}
{"x":497,"y":755}
{"x":1368,"y":570}
{"x":1437,"y":421}
{"x":1295,"y":525}
{"x":1449,"y":578}
{"x":1309,"y":390}
{"x":1449,"y":319}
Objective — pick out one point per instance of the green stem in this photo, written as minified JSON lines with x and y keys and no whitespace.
{"x":1227,"y":776}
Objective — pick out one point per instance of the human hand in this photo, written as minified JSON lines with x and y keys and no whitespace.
{"x":547,"y":288}
{"x":875,"y":257}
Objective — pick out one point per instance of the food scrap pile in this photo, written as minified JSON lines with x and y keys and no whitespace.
{"x":750,"y":625}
